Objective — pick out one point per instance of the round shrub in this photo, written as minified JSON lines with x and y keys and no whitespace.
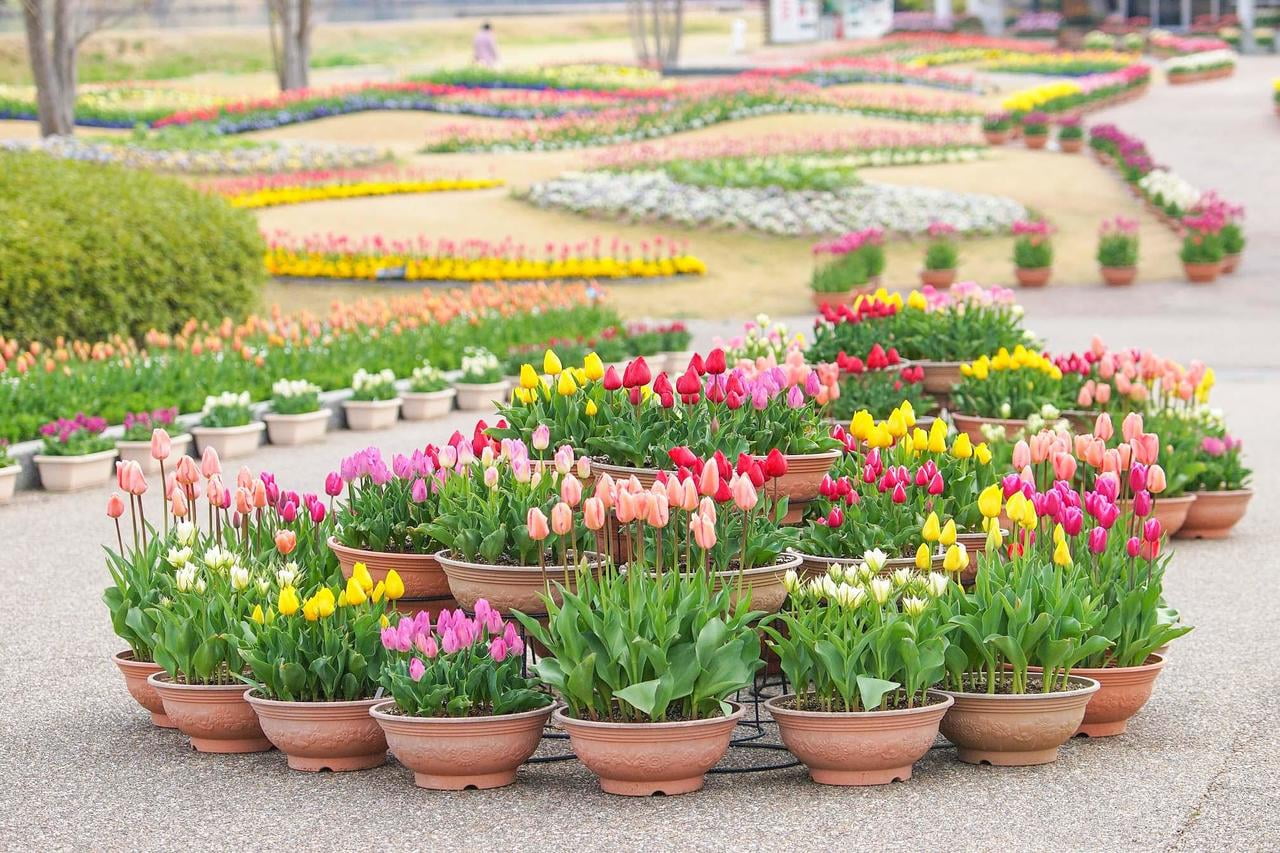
{"x":90,"y":250}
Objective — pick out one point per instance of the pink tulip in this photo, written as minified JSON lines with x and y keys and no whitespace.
{"x":1097,"y":540}
{"x":115,"y":505}
{"x":209,"y":464}
{"x":675,"y":492}
{"x":1021,"y":455}
{"x":122,"y":475}
{"x":1102,"y":394}
{"x":1138,"y":478}
{"x":1131,"y":427}
{"x":561,"y":518}
{"x":625,"y":508}
{"x":564,"y":459}
{"x":1085,"y":398}
{"x":541,"y":437}
{"x":1064,"y":466}
{"x":744,"y":492}
{"x":536,"y":521}
{"x":689,"y":497}
{"x":704,"y":531}
{"x":709,"y":483}
{"x":1146,"y":448}
{"x":593,"y":513}
{"x":571,"y":490}
{"x":659,"y":510}
{"x":186,"y":471}
{"x":416,"y":669}
{"x":178,"y":503}
{"x":1142,"y":504}
{"x":1108,"y":484}
{"x":606,"y":491}
{"x":1126,"y":456}
{"x":1133,"y":547}
{"x":161,"y":444}
{"x":1151,"y":530}
{"x":1102,"y":427}
{"x":1095,"y":453}
{"x":135,"y":480}
{"x":1039,"y":448}
{"x":498,"y":650}
{"x":1111,"y":460}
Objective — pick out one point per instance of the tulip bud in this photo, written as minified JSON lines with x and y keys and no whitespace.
{"x":115,"y":506}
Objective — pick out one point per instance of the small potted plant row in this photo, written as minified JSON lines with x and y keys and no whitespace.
{"x":75,"y":454}
{"x":1032,"y":252}
{"x":940,"y":257}
{"x":481,"y":382}
{"x":227,"y":425}
{"x":135,"y":443}
{"x":374,"y":402}
{"x":429,"y":396}
{"x":1118,"y":251}
{"x":296,"y":415}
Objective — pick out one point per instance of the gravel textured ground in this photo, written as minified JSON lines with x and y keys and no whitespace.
{"x":82,"y":768}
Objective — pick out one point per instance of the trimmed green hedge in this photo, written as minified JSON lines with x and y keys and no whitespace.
{"x":90,"y":250}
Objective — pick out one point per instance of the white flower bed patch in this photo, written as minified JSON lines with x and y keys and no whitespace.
{"x":652,"y":195}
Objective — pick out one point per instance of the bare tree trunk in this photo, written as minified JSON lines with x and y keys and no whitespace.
{"x":677,"y":34}
{"x":657,"y":27}
{"x":639,"y":39}
{"x":290,"y":25}
{"x":56,"y":117}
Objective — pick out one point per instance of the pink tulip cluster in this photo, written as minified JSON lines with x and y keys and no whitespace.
{"x":64,"y":429}
{"x":1215,"y":446}
{"x":967,"y":295}
{"x":485,"y":633}
{"x":1134,"y":374}
{"x":851,"y":241}
{"x":1061,"y":504}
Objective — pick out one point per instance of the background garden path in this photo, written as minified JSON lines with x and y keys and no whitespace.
{"x":81,"y":767}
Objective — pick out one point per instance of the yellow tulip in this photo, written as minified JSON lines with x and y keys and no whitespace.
{"x":938,"y":436}
{"x":948,"y":535}
{"x":932,"y":528}
{"x":995,"y":538}
{"x":360,"y":573}
{"x":924,"y":557}
{"x":311,"y":609}
{"x":257,"y":614}
{"x":355,"y":592}
{"x":982,"y":453}
{"x":908,"y":413}
{"x":862,"y":424}
{"x":989,"y":500}
{"x":880,"y":436}
{"x":566,"y":387}
{"x":395,"y":586}
{"x":287,"y":602}
{"x":383,"y":621}
{"x":962,"y":448}
{"x":592,"y":408}
{"x":528,"y":376}
{"x":917,"y":301}
{"x":378,"y":591}
{"x":897,"y":424}
{"x":1059,"y":535}
{"x":956,"y":559}
{"x":551,"y":363}
{"x":325,"y":602}
{"x":593,"y":366}
{"x":342,"y":598}
{"x":1062,"y":554}
{"x":919,"y":440}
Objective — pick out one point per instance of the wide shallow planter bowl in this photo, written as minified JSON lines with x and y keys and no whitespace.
{"x":972,"y":425}
{"x":804,"y":475}
{"x":1212,"y":515}
{"x":425,"y":405}
{"x":72,"y":473}
{"x":481,"y":397}
{"x":1202,"y":273}
{"x":859,"y":748}
{"x":831,"y":299}
{"x":509,"y":588}
{"x":456,"y":753}
{"x":9,"y":481}
{"x":1014,"y":730}
{"x":366,"y":415}
{"x":764,"y":584}
{"x":140,"y":452}
{"x":1032,"y":276}
{"x":642,"y":759}
{"x":1122,"y":693}
{"x":291,"y":430}
{"x":229,"y":442}
{"x":1119,"y":276}
{"x":940,"y":279}
{"x":1171,"y":512}
{"x":216,"y":717}
{"x":136,"y":673}
{"x":316,"y":736}
{"x":1070,"y":146}
{"x":421,"y":573}
{"x":996,"y":137}
{"x":940,"y":377}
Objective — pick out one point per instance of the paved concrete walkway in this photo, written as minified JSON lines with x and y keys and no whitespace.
{"x":82,"y":768}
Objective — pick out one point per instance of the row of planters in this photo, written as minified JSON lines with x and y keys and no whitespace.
{"x":1034,"y":128}
{"x":1197,"y":67}
{"x":646,"y":604}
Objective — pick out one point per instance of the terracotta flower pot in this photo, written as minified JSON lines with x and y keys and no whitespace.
{"x":859,"y":748}
{"x":646,"y":476}
{"x":1035,"y":141}
{"x":1014,"y":730}
{"x":481,"y":397}
{"x":229,"y":442}
{"x":421,"y":573}
{"x":996,"y":137}
{"x":973,"y":424}
{"x":941,"y":279}
{"x":1119,"y":276}
{"x":509,"y":588}
{"x":140,"y":452}
{"x":1032,"y":276}
{"x":425,"y":405}
{"x":1212,"y":515}
{"x":215,"y":716}
{"x":823,"y":300}
{"x":1123,"y":692}
{"x":136,"y":673}
{"x":1172,"y":512}
{"x":641,"y":759}
{"x":1202,"y":273}
{"x":764,"y":584}
{"x":456,"y":753}
{"x":940,"y":377}
{"x":1070,"y":146}
{"x":364,"y":415}
{"x":318,"y":736}
{"x":1230,"y":263}
{"x":291,"y":430}
{"x":72,"y":473}
{"x":9,"y":481}
{"x":804,"y":475}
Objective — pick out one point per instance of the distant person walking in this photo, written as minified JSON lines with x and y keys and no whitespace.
{"x":485,"y":47}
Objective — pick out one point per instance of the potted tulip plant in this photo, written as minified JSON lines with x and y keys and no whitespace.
{"x":1035,"y":129}
{"x":676,"y":338}
{"x":135,"y":444}
{"x":296,"y":415}
{"x":880,"y":383}
{"x":1032,"y":252}
{"x":374,"y":402}
{"x":481,"y":383}
{"x":74,"y":454}
{"x":227,"y":426}
{"x":996,"y":127}
{"x":1118,"y":251}
{"x":9,"y":471}
{"x":1233,"y":241}
{"x":645,"y":662}
{"x":1006,"y":390}
{"x":1070,"y":135}
{"x":1221,"y":487}
{"x":462,"y":713}
{"x":862,"y":654}
{"x":940,"y":256}
{"x":1202,"y":250}
{"x":317,"y":668}
{"x":835,"y":281}
{"x":429,"y":396}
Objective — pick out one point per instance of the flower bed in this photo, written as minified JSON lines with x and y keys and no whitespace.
{"x":329,"y":256}
{"x":648,"y":195}
{"x":1092,"y":91}
{"x":330,"y":185}
{"x":240,"y":159}
{"x":1205,"y":65}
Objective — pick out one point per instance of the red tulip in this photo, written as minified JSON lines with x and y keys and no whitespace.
{"x":775,"y":464}
{"x":715,"y":363}
{"x":612,"y":381}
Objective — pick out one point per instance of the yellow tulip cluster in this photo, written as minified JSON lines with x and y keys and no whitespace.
{"x":322,"y":604}
{"x":1020,"y":359}
{"x":901,"y":423}
{"x":956,"y":558}
{"x":275,"y":196}
{"x":1029,"y":100}
{"x":567,"y":380}
{"x":300,"y":263}
{"x":879,"y":295}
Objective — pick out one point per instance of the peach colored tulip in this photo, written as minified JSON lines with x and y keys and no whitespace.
{"x":178,"y":503}
{"x":213,"y":490}
{"x":1064,"y":466}
{"x":170,"y":484}
{"x":689,"y":496}
{"x":259,"y":494}
{"x":606,"y":491}
{"x":244,"y":477}
{"x":571,"y":490}
{"x":561,"y":519}
{"x":122,"y":475}
{"x":633,"y":485}
{"x":186,"y":471}
{"x":1102,"y":393}
{"x":286,"y":541}
{"x":1021,"y":454}
{"x":593,"y":513}
{"x":244,"y":499}
{"x":1146,"y":448}
{"x":675,"y":492}
{"x":536,"y":521}
{"x":1094,"y":453}
{"x":1085,"y":398}
{"x":115,"y":505}
{"x":1156,"y":482}
{"x":161,"y":444}
{"x":744,"y":492}
{"x":625,"y":508}
{"x":1103,"y":428}
{"x":707,"y":507}
{"x":704,"y":531}
{"x":1131,"y":427}
{"x":1081,"y":445}
{"x":209,"y":464}
{"x":1111,"y":460}
{"x":1039,"y":448}
{"x":709,"y":483}
{"x":1126,"y":456}
{"x":136,"y":481}
{"x":659,"y":511}
{"x":1027,"y":475}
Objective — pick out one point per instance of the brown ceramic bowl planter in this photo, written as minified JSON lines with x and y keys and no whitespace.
{"x":1015,"y":729}
{"x":421,"y":573}
{"x":972,"y":425}
{"x":456,"y":753}
{"x":1071,"y":146}
{"x":140,"y":452}
{"x":1122,"y":693}
{"x":316,"y":736}
{"x":509,"y":588}
{"x":764,"y":584}
{"x":861,"y":747}
{"x":136,"y":673}
{"x":1171,"y":512}
{"x":1035,"y":141}
{"x":1119,"y":276}
{"x":940,"y":377}
{"x":1032,"y":276}
{"x":642,"y":759}
{"x":830,"y":299}
{"x":996,"y":137}
{"x":1202,"y":273}
{"x":215,"y":716}
{"x":1212,"y":515}
{"x":939,"y":279}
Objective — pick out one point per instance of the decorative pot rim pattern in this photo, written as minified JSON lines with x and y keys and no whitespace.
{"x":1017,"y":702}
{"x":208,"y":692}
{"x":1114,"y":675}
{"x":673,"y":730}
{"x":405,"y":723}
{"x":594,"y":560}
{"x":899,"y":718}
{"x":356,"y":709}
{"x":1176,"y":499}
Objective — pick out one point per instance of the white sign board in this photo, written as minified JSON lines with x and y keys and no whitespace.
{"x":793,"y":21}
{"x":867,"y":18}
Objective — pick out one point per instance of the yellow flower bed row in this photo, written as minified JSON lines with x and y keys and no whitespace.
{"x":295,"y":264}
{"x":1027,"y":100}
{"x":273,"y":197}
{"x":1020,"y":359}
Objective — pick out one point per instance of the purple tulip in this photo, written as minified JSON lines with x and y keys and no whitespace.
{"x":419,"y":491}
{"x":1072,"y":520}
{"x":795,"y":398}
